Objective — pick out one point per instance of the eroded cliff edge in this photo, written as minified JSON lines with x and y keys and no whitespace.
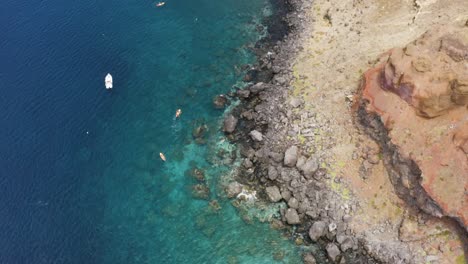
{"x":420,"y":95}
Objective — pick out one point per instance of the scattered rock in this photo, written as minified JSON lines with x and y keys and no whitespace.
{"x":256,"y":136}
{"x":295,"y":102}
{"x":345,"y":242}
{"x":230,"y":123}
{"x":290,"y":156}
{"x":308,"y":258}
{"x":310,"y":167}
{"x":258,"y":87}
{"x":320,"y":173}
{"x":273,"y":193}
{"x":277,"y":157}
{"x":247,"y":163}
{"x":293,"y":203}
{"x":317,"y":230}
{"x":272,"y":173}
{"x":333,"y":251}
{"x":292,"y":217}
{"x":286,"y":194}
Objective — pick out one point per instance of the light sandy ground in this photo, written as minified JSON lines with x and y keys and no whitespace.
{"x":344,"y":39}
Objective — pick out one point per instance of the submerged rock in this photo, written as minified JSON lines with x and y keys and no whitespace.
{"x":199,"y":132}
{"x":198,"y":174}
{"x":220,"y":101}
{"x":201,"y":191}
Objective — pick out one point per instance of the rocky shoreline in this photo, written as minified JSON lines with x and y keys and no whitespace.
{"x":285,"y":148}
{"x":281,"y":173}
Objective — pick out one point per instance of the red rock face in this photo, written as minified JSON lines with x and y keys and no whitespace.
{"x":420,"y":93}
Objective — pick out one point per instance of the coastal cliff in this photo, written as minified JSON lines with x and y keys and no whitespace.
{"x":356,"y":172}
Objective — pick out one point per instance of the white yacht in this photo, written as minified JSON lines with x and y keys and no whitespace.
{"x":108,"y":81}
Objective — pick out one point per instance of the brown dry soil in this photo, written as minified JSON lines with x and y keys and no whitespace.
{"x":343,"y":39}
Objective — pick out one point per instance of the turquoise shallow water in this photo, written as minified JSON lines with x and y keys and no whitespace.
{"x":142,"y":209}
{"x":81,"y":179}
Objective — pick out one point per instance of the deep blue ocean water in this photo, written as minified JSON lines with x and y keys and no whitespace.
{"x":80,"y":176}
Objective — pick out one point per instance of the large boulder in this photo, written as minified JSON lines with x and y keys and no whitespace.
{"x":292,"y":217}
{"x":230,"y":123}
{"x":273,"y":193}
{"x":309,"y":167}
{"x":333,"y":251}
{"x":290,"y":156}
{"x":418,"y":96}
{"x":317,"y":230}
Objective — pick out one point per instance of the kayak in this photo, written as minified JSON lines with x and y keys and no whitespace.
{"x":108,"y":81}
{"x":178,"y":113}
{"x":162,"y":156}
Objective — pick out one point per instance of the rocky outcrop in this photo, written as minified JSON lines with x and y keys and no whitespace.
{"x":415,"y":104}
